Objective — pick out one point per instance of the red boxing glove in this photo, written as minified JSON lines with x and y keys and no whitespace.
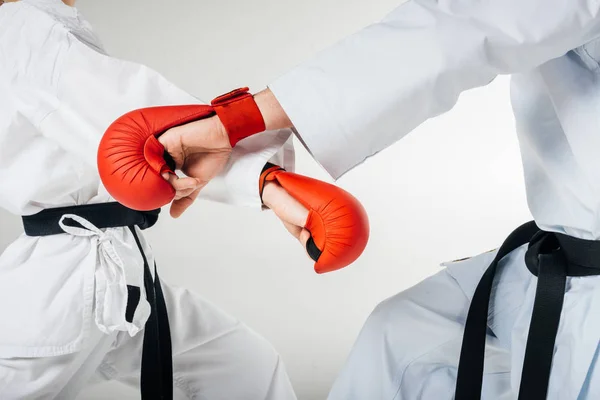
{"x":337,"y":222}
{"x":131,"y":159}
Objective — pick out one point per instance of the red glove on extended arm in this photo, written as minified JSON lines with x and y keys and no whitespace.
{"x":131,"y":160}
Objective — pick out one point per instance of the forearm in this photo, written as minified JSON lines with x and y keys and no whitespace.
{"x":272,"y":112}
{"x":371,"y":89}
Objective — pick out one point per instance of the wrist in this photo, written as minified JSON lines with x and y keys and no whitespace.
{"x":268,"y":192}
{"x":202,"y":135}
{"x":272,"y":112}
{"x":238,"y":115}
{"x":221,"y":132}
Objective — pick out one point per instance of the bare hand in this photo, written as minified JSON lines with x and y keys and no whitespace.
{"x":288,"y":210}
{"x":200,"y":150}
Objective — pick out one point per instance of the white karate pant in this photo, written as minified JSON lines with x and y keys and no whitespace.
{"x":215,"y":357}
{"x":410,"y":345}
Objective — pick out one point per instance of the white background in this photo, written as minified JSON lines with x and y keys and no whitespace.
{"x":450,"y":189}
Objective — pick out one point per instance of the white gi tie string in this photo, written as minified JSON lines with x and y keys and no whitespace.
{"x":110,"y":277}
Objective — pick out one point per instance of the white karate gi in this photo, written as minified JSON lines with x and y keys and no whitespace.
{"x":58,"y":93}
{"x":375,"y":86}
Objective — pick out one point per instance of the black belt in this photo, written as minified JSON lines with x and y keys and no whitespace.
{"x":157,"y":362}
{"x":551,"y":257}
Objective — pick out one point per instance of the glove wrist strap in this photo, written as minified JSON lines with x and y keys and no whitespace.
{"x":239,"y":114}
{"x":267,"y":175}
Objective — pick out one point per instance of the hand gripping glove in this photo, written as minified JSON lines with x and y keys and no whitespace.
{"x":337,"y":222}
{"x":131,"y":159}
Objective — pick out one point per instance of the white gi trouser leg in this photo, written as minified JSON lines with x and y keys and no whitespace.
{"x":214,"y":357}
{"x":59,"y":377}
{"x":409,"y":347}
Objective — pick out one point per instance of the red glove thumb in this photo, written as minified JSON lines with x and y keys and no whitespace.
{"x":337,"y":222}
{"x":131,"y":160}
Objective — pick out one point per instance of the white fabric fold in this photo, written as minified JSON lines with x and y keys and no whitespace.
{"x":116,"y":267}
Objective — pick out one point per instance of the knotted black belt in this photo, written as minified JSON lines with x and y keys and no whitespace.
{"x":551,"y":257}
{"x":157,"y":363}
